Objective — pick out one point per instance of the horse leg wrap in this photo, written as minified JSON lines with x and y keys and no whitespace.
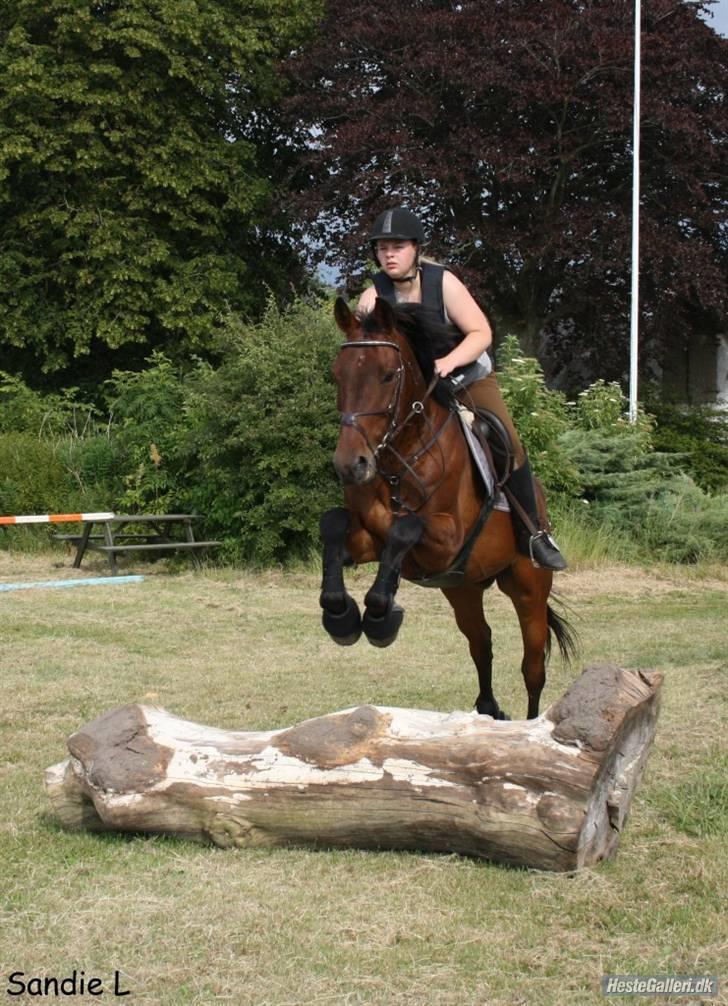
{"x":383,"y":617}
{"x":341,"y":617}
{"x":334,"y":524}
{"x":334,"y":527}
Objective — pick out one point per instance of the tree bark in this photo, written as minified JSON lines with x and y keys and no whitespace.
{"x":551,"y":793}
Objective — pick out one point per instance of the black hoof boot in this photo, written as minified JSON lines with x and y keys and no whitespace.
{"x":344,"y":628}
{"x":383,"y":631}
{"x":490,"y":708}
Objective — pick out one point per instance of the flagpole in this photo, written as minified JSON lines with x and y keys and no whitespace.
{"x":634,"y":313}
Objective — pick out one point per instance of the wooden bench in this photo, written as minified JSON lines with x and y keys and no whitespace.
{"x":117,"y":539}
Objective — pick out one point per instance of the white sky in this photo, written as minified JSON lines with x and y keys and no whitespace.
{"x":719,"y":20}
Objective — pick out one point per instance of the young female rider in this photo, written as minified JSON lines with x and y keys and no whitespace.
{"x":396,"y":238}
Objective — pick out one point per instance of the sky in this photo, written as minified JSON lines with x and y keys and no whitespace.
{"x":719,"y":20}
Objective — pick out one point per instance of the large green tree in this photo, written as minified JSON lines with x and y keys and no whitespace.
{"x":138,"y":163}
{"x":508,"y":125}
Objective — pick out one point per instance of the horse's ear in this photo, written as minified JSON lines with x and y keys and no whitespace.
{"x":383,"y":315}
{"x":343,"y":316}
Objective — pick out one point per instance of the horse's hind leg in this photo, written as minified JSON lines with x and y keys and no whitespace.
{"x":528,"y":588}
{"x":341,"y":616}
{"x":382,"y":617}
{"x":467,"y":603}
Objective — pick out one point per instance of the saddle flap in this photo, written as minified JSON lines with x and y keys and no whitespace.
{"x":482,"y":463}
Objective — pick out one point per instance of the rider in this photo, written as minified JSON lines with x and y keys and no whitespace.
{"x":396,"y":239}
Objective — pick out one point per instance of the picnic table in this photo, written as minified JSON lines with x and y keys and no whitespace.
{"x":119,"y":533}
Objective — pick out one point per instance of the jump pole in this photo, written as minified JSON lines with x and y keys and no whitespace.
{"x":55,"y":518}
{"x":93,"y":581}
{"x":62,"y":518}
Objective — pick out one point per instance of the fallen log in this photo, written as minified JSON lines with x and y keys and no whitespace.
{"x":551,"y":793}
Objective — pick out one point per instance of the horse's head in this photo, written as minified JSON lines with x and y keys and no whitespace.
{"x":370,"y":375}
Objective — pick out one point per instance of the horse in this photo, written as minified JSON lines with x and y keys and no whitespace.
{"x":415,"y":504}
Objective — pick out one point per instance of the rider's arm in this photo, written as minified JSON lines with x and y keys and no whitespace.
{"x":465,"y":314}
{"x":367,"y":301}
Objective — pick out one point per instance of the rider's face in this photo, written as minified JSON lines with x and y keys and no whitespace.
{"x":397,"y":258}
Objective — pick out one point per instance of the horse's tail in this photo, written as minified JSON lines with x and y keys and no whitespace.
{"x":566,"y":636}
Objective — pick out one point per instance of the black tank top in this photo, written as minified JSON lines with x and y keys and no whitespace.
{"x":431,"y":282}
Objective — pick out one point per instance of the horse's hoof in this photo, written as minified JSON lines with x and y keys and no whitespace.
{"x":344,"y":628}
{"x":491,"y":709}
{"x":383,"y":631}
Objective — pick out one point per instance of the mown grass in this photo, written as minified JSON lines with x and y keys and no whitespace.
{"x":187,"y":924}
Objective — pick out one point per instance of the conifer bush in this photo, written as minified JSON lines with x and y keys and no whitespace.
{"x":699,"y":434}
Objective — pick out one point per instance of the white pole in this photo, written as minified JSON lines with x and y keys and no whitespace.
{"x":634,"y":319}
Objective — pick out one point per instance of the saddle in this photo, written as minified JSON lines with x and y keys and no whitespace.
{"x":490,"y":448}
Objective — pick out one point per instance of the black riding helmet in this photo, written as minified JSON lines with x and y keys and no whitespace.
{"x":398,"y":224}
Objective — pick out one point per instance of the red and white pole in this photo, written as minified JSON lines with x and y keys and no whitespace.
{"x":55,"y":518}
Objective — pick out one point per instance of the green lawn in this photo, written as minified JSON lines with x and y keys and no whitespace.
{"x":187,"y":924}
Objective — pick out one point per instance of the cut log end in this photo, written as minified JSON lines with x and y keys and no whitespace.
{"x":551,"y":793}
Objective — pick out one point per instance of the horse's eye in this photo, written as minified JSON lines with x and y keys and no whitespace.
{"x":389,"y":377}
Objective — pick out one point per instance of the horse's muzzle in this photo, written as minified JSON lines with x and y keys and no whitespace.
{"x":358,"y":470}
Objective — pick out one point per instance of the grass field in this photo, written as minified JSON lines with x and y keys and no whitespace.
{"x":185,"y":924}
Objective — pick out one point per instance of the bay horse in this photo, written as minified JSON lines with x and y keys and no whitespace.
{"x":415,"y":503}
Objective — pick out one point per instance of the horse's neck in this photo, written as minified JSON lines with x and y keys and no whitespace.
{"x":415,"y":390}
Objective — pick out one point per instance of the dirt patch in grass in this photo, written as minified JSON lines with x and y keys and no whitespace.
{"x":630,"y":581}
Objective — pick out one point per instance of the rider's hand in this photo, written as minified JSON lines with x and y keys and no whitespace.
{"x":443,"y":366}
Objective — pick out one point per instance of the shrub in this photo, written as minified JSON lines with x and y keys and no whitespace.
{"x":33,"y":479}
{"x":262,"y":428}
{"x":699,"y":434}
{"x":23,"y":410}
{"x":540,"y":416}
{"x":55,"y":448}
{"x":147,"y":461}
{"x":602,"y":406}
{"x":645,"y":494}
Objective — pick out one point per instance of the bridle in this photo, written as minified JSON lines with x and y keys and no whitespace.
{"x":395,"y":428}
{"x":352,"y":418}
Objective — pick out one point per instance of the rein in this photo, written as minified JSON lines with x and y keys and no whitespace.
{"x":395,"y":428}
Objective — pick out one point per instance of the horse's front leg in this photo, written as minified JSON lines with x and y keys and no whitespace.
{"x":383,"y":617}
{"x":341,"y":616}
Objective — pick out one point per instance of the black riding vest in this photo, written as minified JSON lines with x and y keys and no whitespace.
{"x":431,"y":282}
{"x":431,"y":276}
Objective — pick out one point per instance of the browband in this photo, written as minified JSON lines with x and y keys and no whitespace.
{"x":369,"y":343}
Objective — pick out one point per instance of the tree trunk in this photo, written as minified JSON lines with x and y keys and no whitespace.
{"x":551,"y":793}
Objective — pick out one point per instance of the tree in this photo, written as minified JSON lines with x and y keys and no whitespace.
{"x":508,"y":126}
{"x":137,"y":195}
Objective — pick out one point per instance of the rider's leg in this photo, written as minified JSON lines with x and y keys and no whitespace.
{"x":530,"y":525}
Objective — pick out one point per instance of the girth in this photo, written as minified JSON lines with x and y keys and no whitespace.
{"x":454,"y":576}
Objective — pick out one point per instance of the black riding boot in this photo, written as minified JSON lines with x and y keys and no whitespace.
{"x":533,"y":541}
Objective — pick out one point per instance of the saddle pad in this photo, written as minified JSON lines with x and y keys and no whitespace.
{"x":481,"y":462}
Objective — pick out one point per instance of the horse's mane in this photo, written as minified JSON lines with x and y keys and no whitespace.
{"x":429,"y":337}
